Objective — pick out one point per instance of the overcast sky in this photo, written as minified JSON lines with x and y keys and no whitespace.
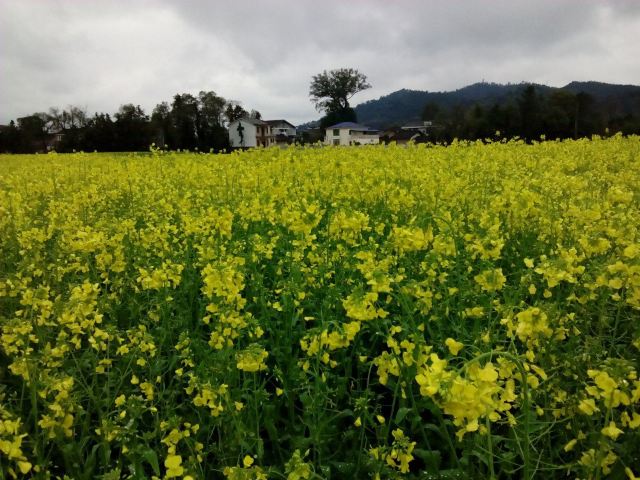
{"x":101,"y":54}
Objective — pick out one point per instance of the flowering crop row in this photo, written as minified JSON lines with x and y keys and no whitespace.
{"x":469,"y":311}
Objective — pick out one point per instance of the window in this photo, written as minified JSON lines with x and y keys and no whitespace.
{"x":336,"y":141}
{"x":336,"y":132}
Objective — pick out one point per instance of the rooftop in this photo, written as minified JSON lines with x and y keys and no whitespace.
{"x":353,"y":126}
{"x":413,"y":125}
{"x":276,"y":122}
{"x":254,"y":121}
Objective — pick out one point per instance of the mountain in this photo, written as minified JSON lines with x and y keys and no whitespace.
{"x":407,"y":105}
{"x":601,"y":91}
{"x":309,"y":125}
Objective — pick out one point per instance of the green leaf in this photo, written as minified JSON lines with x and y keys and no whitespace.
{"x":431,"y":458}
{"x":152,"y":459}
{"x":402,"y":412}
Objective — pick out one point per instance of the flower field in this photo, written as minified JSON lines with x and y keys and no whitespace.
{"x":470,"y":311}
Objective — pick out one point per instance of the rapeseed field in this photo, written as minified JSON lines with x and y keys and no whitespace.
{"x":469,"y":311}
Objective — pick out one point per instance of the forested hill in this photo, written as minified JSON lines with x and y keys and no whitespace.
{"x":408,"y":105}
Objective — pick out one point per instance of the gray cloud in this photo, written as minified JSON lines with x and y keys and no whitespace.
{"x":100,"y":55}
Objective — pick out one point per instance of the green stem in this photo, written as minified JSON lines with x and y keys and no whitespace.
{"x":490,"y":448}
{"x":448,"y":437}
{"x":600,"y":450}
{"x":40,"y":445}
{"x":526,"y":460}
{"x":393,"y":407}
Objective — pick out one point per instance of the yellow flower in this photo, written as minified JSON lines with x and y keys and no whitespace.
{"x":603,"y":381}
{"x":631,"y":251}
{"x":358,"y":422}
{"x":252,"y":359}
{"x":588,"y":406}
{"x":247,"y":461}
{"x":491,"y":280}
{"x":453,"y":346}
{"x":635,"y":421}
{"x":24,"y":467}
{"x":147,"y":388}
{"x":173,"y":463}
{"x":612,"y":431}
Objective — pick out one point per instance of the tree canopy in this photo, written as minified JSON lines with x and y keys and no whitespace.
{"x":331,"y":91}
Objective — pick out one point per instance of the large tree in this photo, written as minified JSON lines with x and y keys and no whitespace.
{"x":185,"y":116}
{"x":132,"y":128}
{"x":330,"y":91}
{"x":162,"y":126}
{"x":72,"y":117}
{"x":234,"y":111}
{"x":100,"y":134}
{"x":530,"y":105}
{"x":210,"y":121}
{"x":33,"y":133}
{"x":10,"y":138}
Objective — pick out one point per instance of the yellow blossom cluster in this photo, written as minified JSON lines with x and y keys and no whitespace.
{"x":11,"y":439}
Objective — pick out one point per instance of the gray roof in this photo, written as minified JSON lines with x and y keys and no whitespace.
{"x":413,"y":125}
{"x":353,"y":126}
{"x":253,"y":121}
{"x":275,"y":122}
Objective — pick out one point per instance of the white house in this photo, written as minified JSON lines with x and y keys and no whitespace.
{"x":250,"y":132}
{"x":349,"y":133}
{"x":283,"y":131}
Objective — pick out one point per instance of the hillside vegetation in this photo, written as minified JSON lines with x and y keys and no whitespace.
{"x":610,"y":103}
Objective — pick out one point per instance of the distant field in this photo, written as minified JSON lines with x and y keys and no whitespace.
{"x":470,"y":311}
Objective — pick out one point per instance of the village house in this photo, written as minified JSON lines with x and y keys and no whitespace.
{"x":350,"y":133}
{"x":423,"y":127}
{"x":283,"y":131}
{"x":250,"y":132}
{"x":402,"y":136}
{"x":54,"y":140}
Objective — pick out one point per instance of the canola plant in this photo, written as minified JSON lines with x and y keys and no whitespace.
{"x":461,"y":311}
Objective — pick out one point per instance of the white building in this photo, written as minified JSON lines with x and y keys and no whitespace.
{"x":283,"y":131}
{"x":250,"y":132}
{"x":349,"y":133}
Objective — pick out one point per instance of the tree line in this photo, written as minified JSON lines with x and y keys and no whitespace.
{"x":199,"y":122}
{"x":189,"y":122}
{"x":531,"y":115}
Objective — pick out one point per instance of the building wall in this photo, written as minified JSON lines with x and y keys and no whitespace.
{"x":249,"y":134}
{"x":266,"y":137}
{"x":342,"y":138}
{"x":370,"y":139}
{"x":345,"y":138}
{"x":283,"y":129}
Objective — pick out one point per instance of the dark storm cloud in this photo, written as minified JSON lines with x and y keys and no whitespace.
{"x":100,"y":54}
